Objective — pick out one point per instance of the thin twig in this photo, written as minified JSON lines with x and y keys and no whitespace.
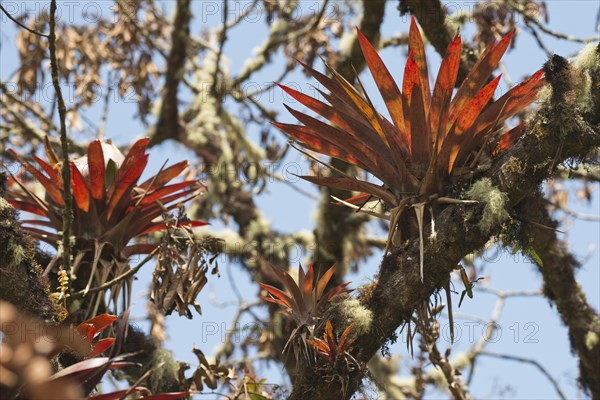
{"x":142,"y":379}
{"x":241,"y":16}
{"x":28,"y":106}
{"x":103,"y":119}
{"x":238,"y":293}
{"x":538,"y":39}
{"x":16,"y":21}
{"x":66,"y":167}
{"x":530,"y":20}
{"x":509,"y":293}
{"x":395,"y":41}
{"x":227,"y":342}
{"x":584,"y":171}
{"x":492,"y":324}
{"x":277,"y":36}
{"x":222,"y":40}
{"x":577,"y":214}
{"x":118,"y":279}
{"x":533,"y":362}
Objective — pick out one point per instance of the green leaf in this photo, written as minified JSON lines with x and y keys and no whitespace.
{"x":515,"y":249}
{"x":111,"y":172}
{"x":533,"y":254}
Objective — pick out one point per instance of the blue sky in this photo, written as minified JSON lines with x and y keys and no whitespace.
{"x":529,"y":326}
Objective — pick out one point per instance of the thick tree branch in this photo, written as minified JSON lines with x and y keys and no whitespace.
{"x":21,"y":280}
{"x":168,"y":125}
{"x":558,"y":132}
{"x":560,"y":286}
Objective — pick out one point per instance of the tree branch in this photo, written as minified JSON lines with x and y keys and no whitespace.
{"x":530,"y":361}
{"x":168,"y":125}
{"x":560,"y":286}
{"x":557,"y":124}
{"x":21,"y":279}
{"x":64,"y":142}
{"x":16,"y":21}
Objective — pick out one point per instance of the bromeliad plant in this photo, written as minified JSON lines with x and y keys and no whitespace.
{"x":331,"y":349}
{"x":335,"y":353}
{"x":110,"y":209}
{"x":432,"y":138}
{"x":302,"y":302}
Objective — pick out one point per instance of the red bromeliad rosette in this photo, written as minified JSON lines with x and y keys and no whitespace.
{"x":432,"y":138}
{"x":302,"y":300}
{"x":109,"y":204}
{"x":110,"y":208}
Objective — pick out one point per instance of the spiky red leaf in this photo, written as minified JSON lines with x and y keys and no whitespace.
{"x":101,"y":346}
{"x":53,"y":172}
{"x":124,"y":184}
{"x":344,"y":343}
{"x":51,"y":187}
{"x":478,"y":75}
{"x":415,"y":43}
{"x":444,"y":86}
{"x":96,"y":169}
{"x":54,"y":160}
{"x":419,"y":128}
{"x":167,"y":190}
{"x":385,"y":82}
{"x":280,"y":296}
{"x":509,"y":138}
{"x":101,"y":322}
{"x":27,"y":206}
{"x":81,"y":192}
{"x":452,"y":145}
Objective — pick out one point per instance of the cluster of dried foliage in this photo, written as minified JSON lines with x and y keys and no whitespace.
{"x":450,"y":172}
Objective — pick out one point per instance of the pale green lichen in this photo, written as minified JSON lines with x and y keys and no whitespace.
{"x":588,"y":57}
{"x":13,"y":252}
{"x":161,"y":378}
{"x":258,"y":227}
{"x":494,"y":201}
{"x":347,"y":42}
{"x":3,"y":203}
{"x":233,"y":243}
{"x":17,"y":253}
{"x":544,"y":94}
{"x":354,"y":312}
{"x":587,"y":60}
{"x":591,"y":340}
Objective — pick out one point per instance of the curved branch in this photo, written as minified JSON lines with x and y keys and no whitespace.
{"x":22,"y":25}
{"x":530,"y":361}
